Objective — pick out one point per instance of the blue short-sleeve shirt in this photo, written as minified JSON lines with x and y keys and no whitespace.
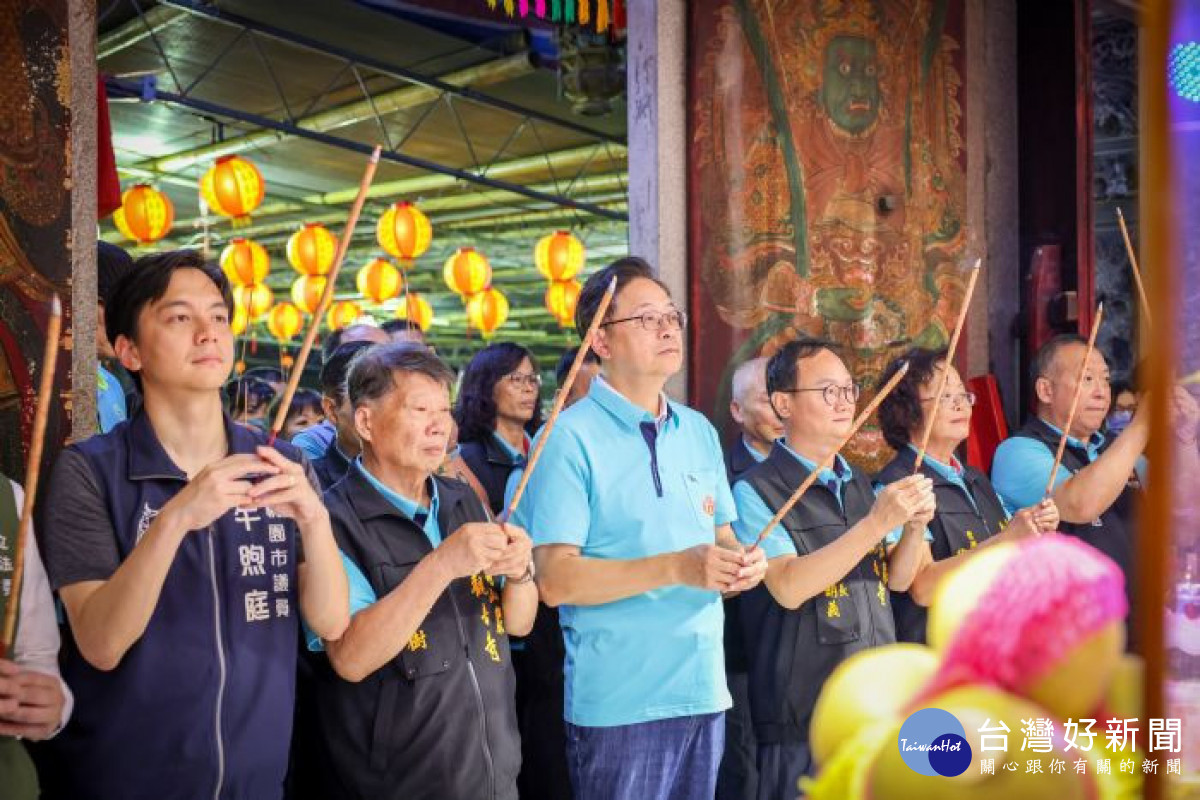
{"x":362,"y":596}
{"x":754,"y":513}
{"x":1021,"y":467}
{"x":620,"y":484}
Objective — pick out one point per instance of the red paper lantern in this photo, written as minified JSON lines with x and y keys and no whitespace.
{"x":561,"y":298}
{"x":404,"y":232}
{"x":233,"y":187}
{"x":559,"y":256}
{"x":284,"y":321}
{"x":416,"y":308}
{"x":255,"y":298}
{"x":378,"y":281}
{"x":306,"y":292}
{"x":467,"y":272}
{"x":342,"y":313}
{"x":245,"y":262}
{"x":311,"y":249}
{"x":145,"y":214}
{"x":487,"y":310}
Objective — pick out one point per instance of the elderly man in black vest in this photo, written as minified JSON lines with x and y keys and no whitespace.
{"x":1097,"y":484}
{"x":826,"y":592}
{"x":420,"y":699}
{"x":757,"y":428}
{"x":970,"y":515}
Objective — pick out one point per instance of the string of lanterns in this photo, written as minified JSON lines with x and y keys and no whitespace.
{"x":233,"y":187}
{"x":560,"y":257}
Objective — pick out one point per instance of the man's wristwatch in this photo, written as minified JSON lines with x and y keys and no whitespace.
{"x":527,"y":575}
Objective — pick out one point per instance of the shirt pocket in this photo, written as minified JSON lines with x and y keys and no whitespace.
{"x":700,"y":490}
{"x":431,"y":649}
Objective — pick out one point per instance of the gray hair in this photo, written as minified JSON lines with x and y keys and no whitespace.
{"x":372,"y":373}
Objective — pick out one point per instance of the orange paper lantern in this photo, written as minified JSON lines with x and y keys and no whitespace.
{"x":342,"y":313}
{"x":467,"y":272}
{"x":240,"y":320}
{"x":255,"y":298}
{"x":416,"y":308}
{"x":404,"y":232}
{"x":561,"y":298}
{"x":232,"y":187}
{"x":311,"y":249}
{"x":145,"y":214}
{"x":378,"y":281}
{"x":487,"y":310}
{"x":306,"y":292}
{"x":559,"y":256}
{"x":284,"y":321}
{"x":245,"y":262}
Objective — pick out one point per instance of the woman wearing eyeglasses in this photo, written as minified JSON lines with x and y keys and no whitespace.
{"x":498,"y":409}
{"x":970,"y":514}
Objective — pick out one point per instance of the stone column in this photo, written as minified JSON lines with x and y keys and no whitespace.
{"x":991,"y":104}
{"x":81,"y":35}
{"x":657,"y":94}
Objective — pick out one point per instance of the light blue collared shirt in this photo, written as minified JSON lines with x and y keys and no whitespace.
{"x":1021,"y":467}
{"x":621,"y":484}
{"x":754,"y":514}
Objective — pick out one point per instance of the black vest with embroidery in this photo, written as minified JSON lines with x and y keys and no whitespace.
{"x":438,"y":722}
{"x":792,"y":652}
{"x":1112,"y":532}
{"x":958,"y":526}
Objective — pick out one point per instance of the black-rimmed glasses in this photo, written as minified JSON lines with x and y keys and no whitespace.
{"x":830,"y":394}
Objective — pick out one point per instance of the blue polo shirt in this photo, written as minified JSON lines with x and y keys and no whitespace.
{"x":1022,"y":466}
{"x":361,"y":594}
{"x":619,"y":484}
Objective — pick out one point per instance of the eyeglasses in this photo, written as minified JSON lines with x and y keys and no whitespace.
{"x":830,"y":394}
{"x":528,"y":380}
{"x":951,"y":400}
{"x":655,"y":321}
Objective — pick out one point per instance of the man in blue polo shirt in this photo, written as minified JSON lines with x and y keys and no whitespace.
{"x":629,"y":512}
{"x":184,"y":550}
{"x":1099,"y":479}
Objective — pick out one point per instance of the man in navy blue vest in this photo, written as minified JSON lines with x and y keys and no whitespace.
{"x":825,"y":596}
{"x":184,"y":550}
{"x":420,"y":700}
{"x":1098,"y":481}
